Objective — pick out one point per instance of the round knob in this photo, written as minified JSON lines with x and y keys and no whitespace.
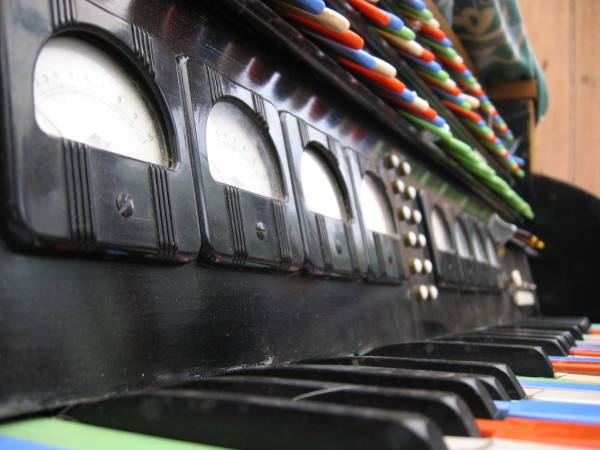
{"x":427,"y":266}
{"x":421,"y":292}
{"x":392,"y":162}
{"x":516,"y":278}
{"x":416,"y":266}
{"x":421,"y":240}
{"x":416,"y":217}
{"x":404,"y":168}
{"x":410,"y":193}
{"x":398,"y":186}
{"x":410,"y":239}
{"x":433,"y":292}
{"x":405,"y":213}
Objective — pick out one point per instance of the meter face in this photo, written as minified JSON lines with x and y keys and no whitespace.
{"x":320,"y":186}
{"x":83,"y":94}
{"x":240,"y":151}
{"x":440,"y":232}
{"x":480,"y":255}
{"x":375,"y":209}
{"x":491,"y":252}
{"x":462,"y":244}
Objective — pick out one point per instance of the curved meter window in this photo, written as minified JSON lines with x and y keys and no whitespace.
{"x":440,"y":232}
{"x":478,"y":249}
{"x":320,"y":186}
{"x":462,"y":244}
{"x":375,"y":209}
{"x":491,"y":252}
{"x":83,"y":94}
{"x":240,"y":150}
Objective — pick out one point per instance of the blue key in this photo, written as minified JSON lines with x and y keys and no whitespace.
{"x":9,"y":443}
{"x":545,"y":410}
{"x":555,"y":384}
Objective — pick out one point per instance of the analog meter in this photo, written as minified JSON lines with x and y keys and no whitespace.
{"x":240,"y":151}
{"x":376,"y":212}
{"x":462,"y":243}
{"x":83,"y":94}
{"x":320,"y":186}
{"x":440,"y":232}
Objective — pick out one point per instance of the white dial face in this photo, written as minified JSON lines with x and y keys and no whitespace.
{"x":440,"y":233}
{"x":491,"y":252}
{"x":240,"y":151}
{"x":375,"y":210}
{"x":82,"y":94}
{"x":461,"y":241}
{"x":478,"y":248}
{"x":321,"y":190}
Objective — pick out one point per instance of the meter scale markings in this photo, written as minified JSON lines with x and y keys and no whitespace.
{"x":83,"y":94}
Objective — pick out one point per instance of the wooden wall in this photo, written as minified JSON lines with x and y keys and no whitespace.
{"x":565,"y":35}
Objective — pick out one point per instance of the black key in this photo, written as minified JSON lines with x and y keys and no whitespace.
{"x":469,"y":388}
{"x":547,"y":324}
{"x":523,"y":360}
{"x":569,"y":335}
{"x":565,"y":337}
{"x":550,"y":346}
{"x":447,"y":410}
{"x":582,"y":322}
{"x":261,"y":423}
{"x":501,"y":372}
{"x":491,"y":383}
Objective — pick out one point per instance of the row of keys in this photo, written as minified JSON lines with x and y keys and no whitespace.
{"x":416,"y":395}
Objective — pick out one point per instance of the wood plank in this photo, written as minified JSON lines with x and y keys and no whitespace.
{"x":549,"y":26}
{"x":587,"y":95}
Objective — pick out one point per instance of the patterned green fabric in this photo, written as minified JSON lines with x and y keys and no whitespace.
{"x":493,"y":33}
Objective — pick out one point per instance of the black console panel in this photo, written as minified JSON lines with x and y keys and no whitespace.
{"x":267,"y":216}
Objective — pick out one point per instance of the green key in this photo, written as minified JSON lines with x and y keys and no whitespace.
{"x":77,"y":436}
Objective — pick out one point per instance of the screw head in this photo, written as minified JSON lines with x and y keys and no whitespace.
{"x":124,"y":203}
{"x":261,"y":230}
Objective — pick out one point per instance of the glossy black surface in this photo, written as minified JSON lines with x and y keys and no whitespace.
{"x":469,"y":387}
{"x":501,"y":372}
{"x":252,"y":422}
{"x":82,"y":323}
{"x":448,"y":411}
{"x":567,"y":221}
{"x":523,"y":360}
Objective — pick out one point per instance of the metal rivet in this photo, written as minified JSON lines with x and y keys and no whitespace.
{"x":421,"y":240}
{"x":338,"y":246}
{"x":125,"y":204}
